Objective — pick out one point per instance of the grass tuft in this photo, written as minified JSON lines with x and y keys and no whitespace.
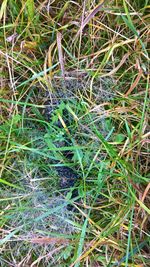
{"x":74,"y":133}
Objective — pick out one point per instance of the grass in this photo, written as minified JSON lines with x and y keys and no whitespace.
{"x":94,"y":56}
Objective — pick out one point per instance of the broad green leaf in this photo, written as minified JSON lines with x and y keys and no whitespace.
{"x":30,"y":9}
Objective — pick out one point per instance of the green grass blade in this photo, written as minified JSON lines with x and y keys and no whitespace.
{"x":81,"y":243}
{"x":30,"y":8}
